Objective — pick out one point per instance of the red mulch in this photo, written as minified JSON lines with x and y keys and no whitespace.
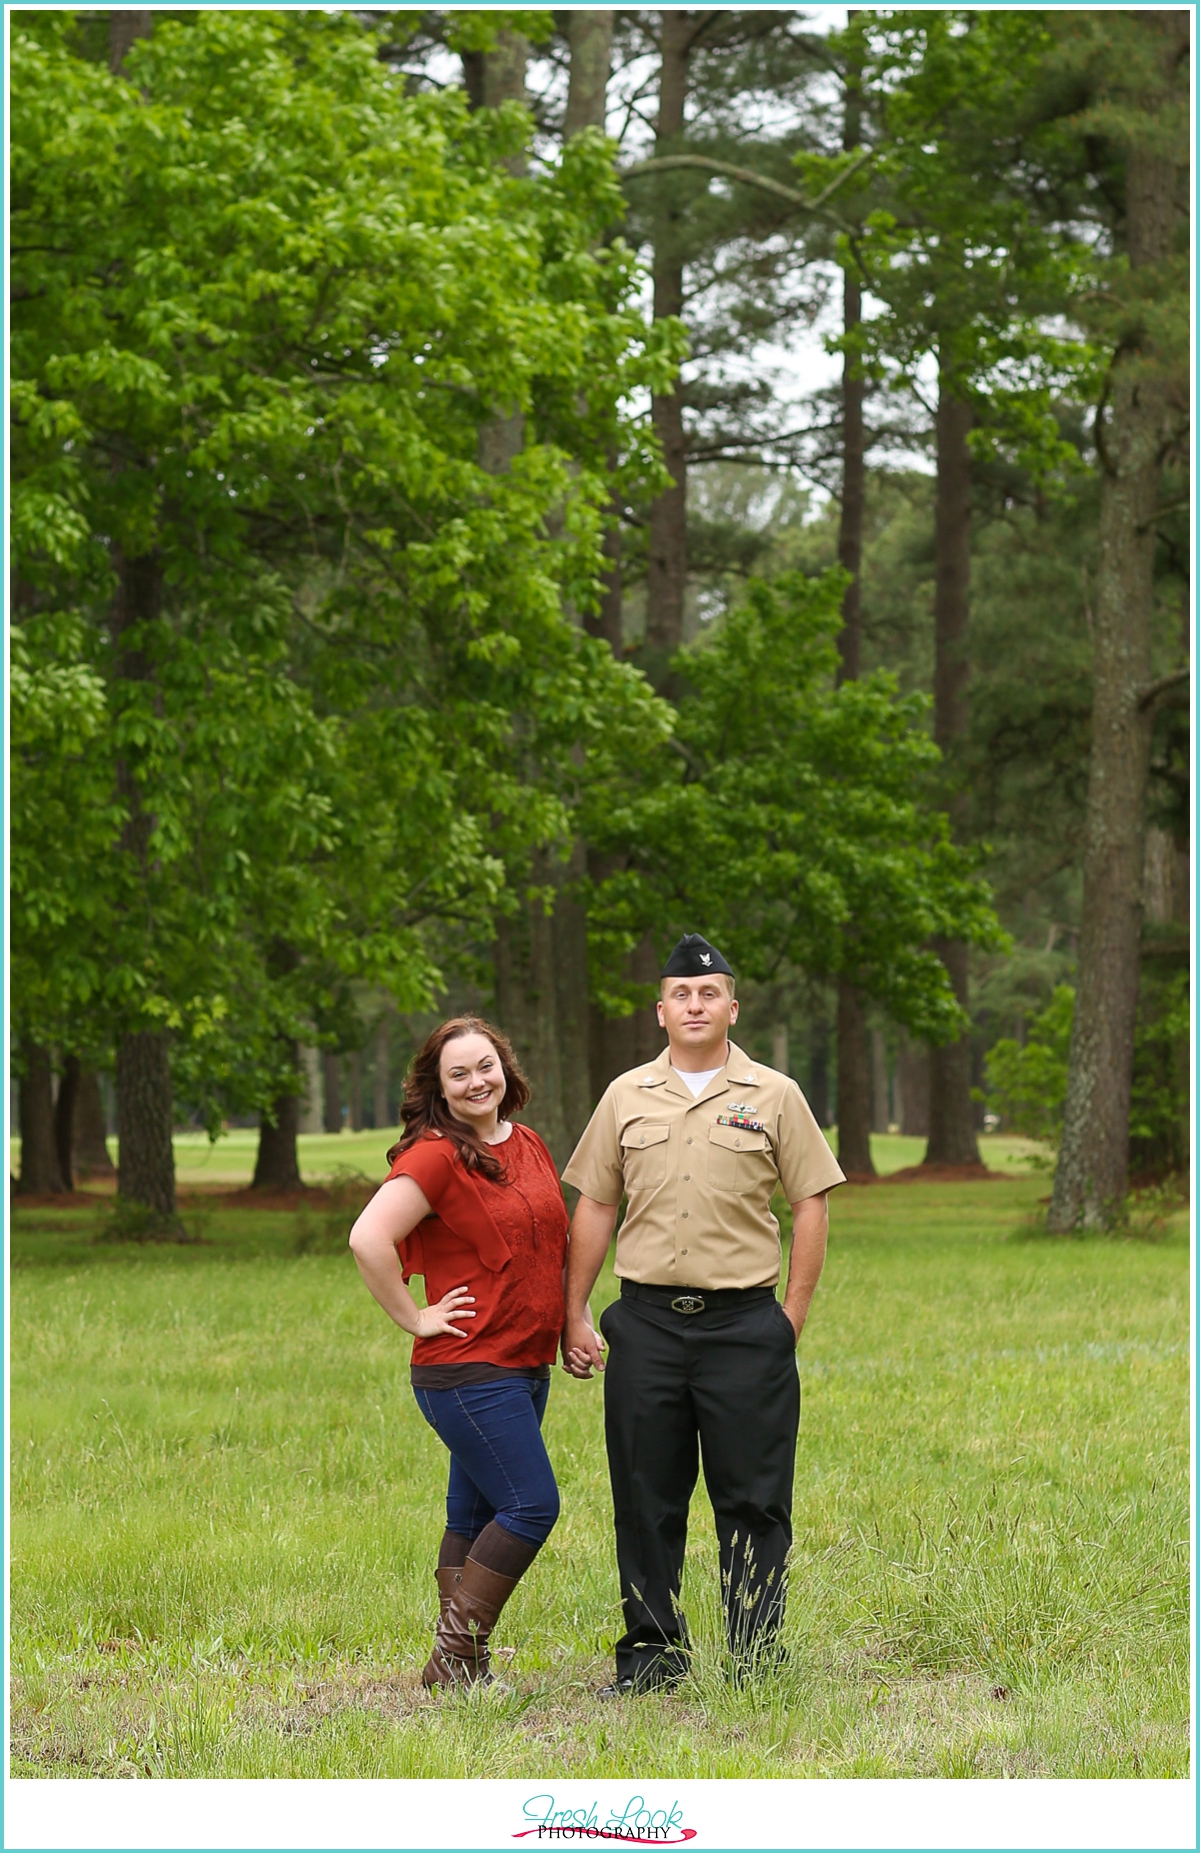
{"x":244,"y":1199}
{"x":934,"y":1174}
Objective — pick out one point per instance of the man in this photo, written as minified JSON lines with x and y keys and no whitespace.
{"x":701,"y":1354}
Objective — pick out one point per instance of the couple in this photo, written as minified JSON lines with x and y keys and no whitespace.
{"x":701,"y":1353}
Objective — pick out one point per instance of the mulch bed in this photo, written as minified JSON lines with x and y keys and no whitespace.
{"x":935,"y":1174}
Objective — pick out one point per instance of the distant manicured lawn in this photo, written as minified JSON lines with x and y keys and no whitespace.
{"x":229,"y":1163}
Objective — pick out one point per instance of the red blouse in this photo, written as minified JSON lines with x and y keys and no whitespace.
{"x":507,"y":1242}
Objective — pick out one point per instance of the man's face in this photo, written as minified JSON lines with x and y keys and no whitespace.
{"x":697,"y":1011}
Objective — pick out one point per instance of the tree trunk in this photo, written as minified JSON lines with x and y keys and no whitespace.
{"x":332,"y":1075}
{"x":146,"y":1155}
{"x":1091,"y":1178}
{"x":880,"y":1117}
{"x":854,"y":1066}
{"x":952,"y":1138}
{"x":123,"y":29}
{"x":277,"y":1165}
{"x":666,"y":563}
{"x":64,"y":1120}
{"x":40,"y":1174}
{"x":779,"y":1048}
{"x":572,"y":1017}
{"x":312,"y":1117}
{"x":589,"y":35}
{"x":89,"y":1142}
{"x":618,"y":1044}
{"x":912,"y":1089}
{"x":354,"y":1092}
{"x":146,"y":1170}
{"x":854,"y":1084}
{"x":383,"y":1060}
{"x":818,"y":1069}
{"x":527,"y":1008}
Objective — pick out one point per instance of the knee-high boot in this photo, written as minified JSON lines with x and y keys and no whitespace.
{"x":472,"y":1597}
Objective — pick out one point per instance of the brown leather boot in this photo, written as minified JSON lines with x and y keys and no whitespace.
{"x":472,"y":1598}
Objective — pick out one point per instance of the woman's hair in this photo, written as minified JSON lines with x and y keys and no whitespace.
{"x":424,"y":1106}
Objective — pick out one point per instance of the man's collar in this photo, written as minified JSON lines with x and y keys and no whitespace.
{"x":736,"y":1071}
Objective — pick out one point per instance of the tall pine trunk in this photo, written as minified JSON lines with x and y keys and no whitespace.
{"x":853,"y":1084}
{"x":854,"y":1059}
{"x":40,"y":1174}
{"x":89,"y":1138}
{"x":64,"y":1119}
{"x":331,"y":1071}
{"x":381,"y":1104}
{"x":146,"y":1156}
{"x":589,"y":36}
{"x":1091,"y":1178}
{"x":952,"y":1138}
{"x":666,"y":563}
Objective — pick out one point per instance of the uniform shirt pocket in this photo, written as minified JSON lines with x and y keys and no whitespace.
{"x":644,"y":1156}
{"x":736,"y":1159}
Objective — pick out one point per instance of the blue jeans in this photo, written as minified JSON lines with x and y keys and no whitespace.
{"x":499,"y":1468}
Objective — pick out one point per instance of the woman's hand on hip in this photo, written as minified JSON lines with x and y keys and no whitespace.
{"x":434,"y":1320}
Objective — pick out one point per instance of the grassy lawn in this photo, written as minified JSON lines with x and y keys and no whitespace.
{"x":225,"y":1508}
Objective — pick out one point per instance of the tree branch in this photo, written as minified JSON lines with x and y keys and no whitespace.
{"x":1171,"y":508}
{"x":1153,"y":692}
{"x":747,"y":177}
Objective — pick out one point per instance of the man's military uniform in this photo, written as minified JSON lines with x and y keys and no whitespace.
{"x":701,"y":1355}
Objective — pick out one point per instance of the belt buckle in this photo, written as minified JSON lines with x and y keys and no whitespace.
{"x":687,"y":1303}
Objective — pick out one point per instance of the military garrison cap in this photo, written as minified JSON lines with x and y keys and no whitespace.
{"x":693,"y":957}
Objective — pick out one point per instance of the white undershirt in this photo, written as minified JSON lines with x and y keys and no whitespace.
{"x":698,"y":1082}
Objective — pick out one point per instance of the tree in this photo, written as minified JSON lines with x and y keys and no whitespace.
{"x":800,"y":803}
{"x":967,"y":270}
{"x":1131,"y":115}
{"x":258,"y":345}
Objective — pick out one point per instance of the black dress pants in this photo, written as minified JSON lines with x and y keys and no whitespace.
{"x":719,"y":1386}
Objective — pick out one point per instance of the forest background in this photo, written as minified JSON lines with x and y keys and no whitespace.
{"x":431,"y":590}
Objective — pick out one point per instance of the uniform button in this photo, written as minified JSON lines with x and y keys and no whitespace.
{"x":736,"y":1142}
{"x":687,"y":1177}
{"x":685,"y":1216}
{"x":689,"y":1140}
{"x":683,"y":1251}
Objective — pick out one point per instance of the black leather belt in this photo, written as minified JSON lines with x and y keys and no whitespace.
{"x":690,"y":1300}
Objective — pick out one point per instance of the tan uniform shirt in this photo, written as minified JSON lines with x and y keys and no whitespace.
{"x":700,"y":1192}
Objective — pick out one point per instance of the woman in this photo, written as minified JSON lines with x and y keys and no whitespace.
{"x":473,"y":1203}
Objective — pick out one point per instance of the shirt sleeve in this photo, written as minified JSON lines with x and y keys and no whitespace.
{"x":595,"y":1165}
{"x":429,"y":1163}
{"x":805,"y":1162}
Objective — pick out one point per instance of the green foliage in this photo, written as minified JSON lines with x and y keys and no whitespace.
{"x":955,"y":239}
{"x":265,"y":303}
{"x":1028,"y":1084}
{"x":794,"y":820}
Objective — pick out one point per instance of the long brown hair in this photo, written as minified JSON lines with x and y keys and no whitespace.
{"x":424,"y":1106}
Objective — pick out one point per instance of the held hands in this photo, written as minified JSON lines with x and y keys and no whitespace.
{"x":582,"y":1348}
{"x":433,"y":1320}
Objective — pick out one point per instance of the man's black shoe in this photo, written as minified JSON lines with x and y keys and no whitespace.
{"x":617,"y":1689}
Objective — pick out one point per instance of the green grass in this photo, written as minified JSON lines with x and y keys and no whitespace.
{"x":229,"y":1164}
{"x":225,"y":1508}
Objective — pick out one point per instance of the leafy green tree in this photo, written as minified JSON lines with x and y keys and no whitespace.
{"x":795,"y":822}
{"x":266,"y":301}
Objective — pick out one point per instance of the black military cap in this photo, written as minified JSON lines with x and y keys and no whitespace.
{"x":693,"y":957}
